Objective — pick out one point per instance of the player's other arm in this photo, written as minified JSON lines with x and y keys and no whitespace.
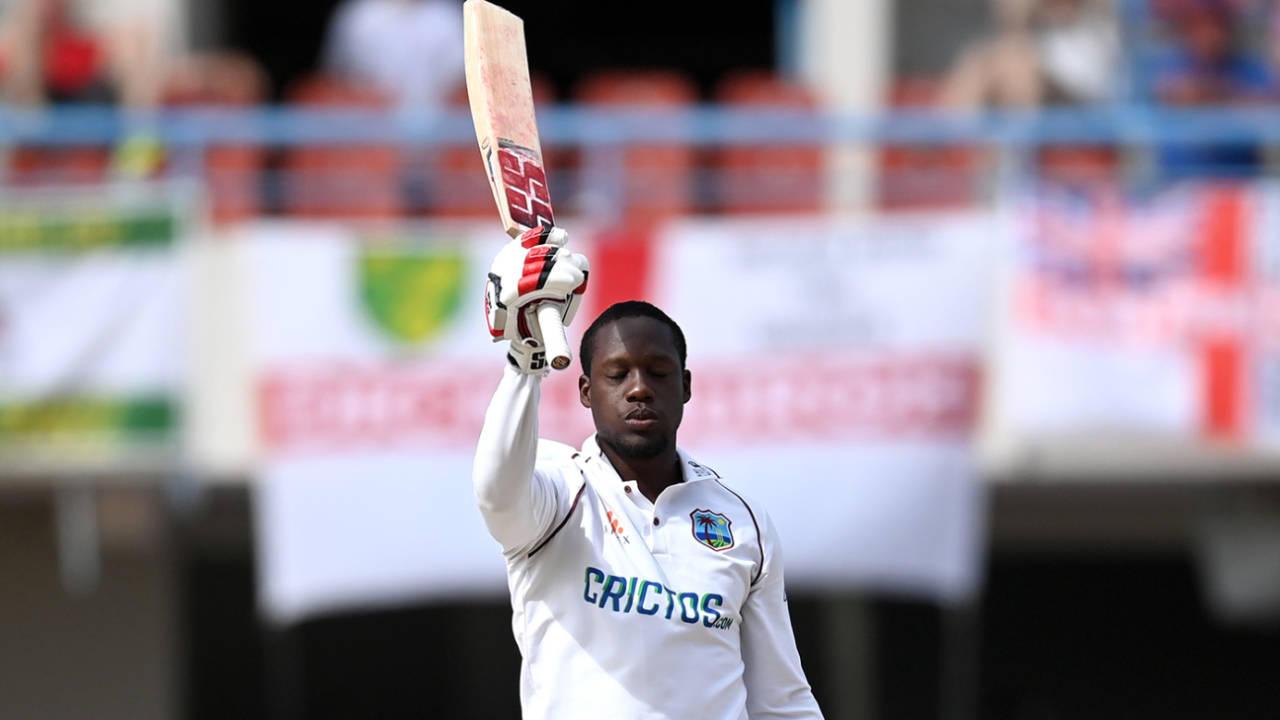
{"x":519,"y":503}
{"x":776,"y":684}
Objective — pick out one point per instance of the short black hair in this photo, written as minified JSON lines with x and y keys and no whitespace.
{"x":627,"y":309}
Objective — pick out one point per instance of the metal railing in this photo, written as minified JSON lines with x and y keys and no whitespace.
{"x":597,"y":155}
{"x":706,"y":125}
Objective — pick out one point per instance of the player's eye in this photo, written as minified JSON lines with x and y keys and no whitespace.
{"x":660,"y":370}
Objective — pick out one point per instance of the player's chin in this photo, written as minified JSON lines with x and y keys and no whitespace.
{"x":640,"y":446}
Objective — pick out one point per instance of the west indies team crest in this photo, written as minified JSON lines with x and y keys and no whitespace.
{"x":712,"y":529}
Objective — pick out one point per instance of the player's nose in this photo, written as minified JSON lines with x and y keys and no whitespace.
{"x":638,"y":389}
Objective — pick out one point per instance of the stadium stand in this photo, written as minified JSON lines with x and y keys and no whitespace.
{"x":920,"y":177}
{"x":767,"y":178}
{"x":342,"y":180}
{"x":658,"y":178}
{"x":233,"y":172}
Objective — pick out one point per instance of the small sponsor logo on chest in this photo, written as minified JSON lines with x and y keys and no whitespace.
{"x":615,"y":524}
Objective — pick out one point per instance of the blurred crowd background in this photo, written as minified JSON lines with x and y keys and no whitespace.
{"x":1046,"y":232}
{"x":147,"y":56}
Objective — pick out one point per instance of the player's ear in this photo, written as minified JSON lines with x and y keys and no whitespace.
{"x":688,"y":386}
{"x":584,"y":391}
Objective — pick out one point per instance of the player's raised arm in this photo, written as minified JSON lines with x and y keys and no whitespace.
{"x":519,"y":504}
{"x":776,"y":684}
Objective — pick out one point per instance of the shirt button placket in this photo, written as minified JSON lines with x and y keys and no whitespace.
{"x":657,"y":543}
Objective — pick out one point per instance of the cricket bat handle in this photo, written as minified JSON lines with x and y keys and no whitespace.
{"x":549,"y":320}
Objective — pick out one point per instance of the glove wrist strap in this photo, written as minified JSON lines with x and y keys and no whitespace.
{"x":528,"y":357}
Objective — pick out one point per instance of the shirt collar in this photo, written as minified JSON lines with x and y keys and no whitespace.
{"x":689,"y":469}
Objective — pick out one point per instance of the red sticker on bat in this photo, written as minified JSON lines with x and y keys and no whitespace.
{"x":528,"y":198}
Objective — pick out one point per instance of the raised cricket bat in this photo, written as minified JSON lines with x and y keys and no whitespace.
{"x":502,"y":109}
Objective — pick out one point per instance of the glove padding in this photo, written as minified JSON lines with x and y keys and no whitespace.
{"x":532,"y":269}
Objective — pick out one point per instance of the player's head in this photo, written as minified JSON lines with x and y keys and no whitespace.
{"x":634,"y":379}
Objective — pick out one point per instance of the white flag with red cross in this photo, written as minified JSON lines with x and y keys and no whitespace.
{"x":1152,"y":317}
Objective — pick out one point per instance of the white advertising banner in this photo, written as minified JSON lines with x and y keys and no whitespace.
{"x":835,"y":370}
{"x":1264,"y":261}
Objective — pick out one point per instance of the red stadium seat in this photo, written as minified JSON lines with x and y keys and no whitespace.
{"x":1079,"y":165}
{"x":342,"y":180}
{"x":916,"y":177}
{"x":655,"y":180}
{"x":58,"y":165}
{"x":764,"y":178}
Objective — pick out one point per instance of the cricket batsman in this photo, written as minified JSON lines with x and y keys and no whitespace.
{"x":642,"y":585}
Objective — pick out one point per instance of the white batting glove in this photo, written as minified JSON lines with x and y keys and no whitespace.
{"x":534,"y":268}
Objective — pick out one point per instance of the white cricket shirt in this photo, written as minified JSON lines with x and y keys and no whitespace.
{"x":627,"y":609}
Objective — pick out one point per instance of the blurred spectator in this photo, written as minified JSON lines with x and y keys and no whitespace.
{"x":146,"y":38}
{"x":1040,"y":52}
{"x":95,"y":51}
{"x":1206,"y":65}
{"x":1001,"y":70}
{"x":1045,"y":52}
{"x":1079,"y":50}
{"x":48,"y":54}
{"x":410,"y":50}
{"x":1273,"y":37}
{"x":89,"y":50}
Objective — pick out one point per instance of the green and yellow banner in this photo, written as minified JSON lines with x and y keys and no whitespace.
{"x":91,"y":329}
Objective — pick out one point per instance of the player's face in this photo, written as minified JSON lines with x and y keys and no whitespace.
{"x":637,"y":389}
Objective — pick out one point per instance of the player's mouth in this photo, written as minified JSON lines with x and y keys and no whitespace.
{"x":641,"y":419}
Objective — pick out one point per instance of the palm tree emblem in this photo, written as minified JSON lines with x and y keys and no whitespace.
{"x":714,"y":528}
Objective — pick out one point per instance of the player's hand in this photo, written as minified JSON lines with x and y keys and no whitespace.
{"x":528,"y":353}
{"x":530,"y":270}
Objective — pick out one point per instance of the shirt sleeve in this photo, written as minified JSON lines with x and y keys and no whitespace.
{"x":518,"y":501}
{"x":776,"y":684}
